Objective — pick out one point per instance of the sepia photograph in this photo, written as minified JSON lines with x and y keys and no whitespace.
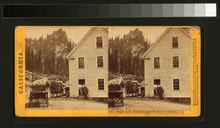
{"x":111,"y":68}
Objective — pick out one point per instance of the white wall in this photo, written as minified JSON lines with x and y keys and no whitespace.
{"x":166,"y":73}
{"x":91,"y":72}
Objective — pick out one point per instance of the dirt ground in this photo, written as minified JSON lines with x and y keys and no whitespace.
{"x":73,"y":104}
{"x":129,"y":103}
{"x":151,"y":104}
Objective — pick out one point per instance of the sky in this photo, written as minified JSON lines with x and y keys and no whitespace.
{"x":76,"y":33}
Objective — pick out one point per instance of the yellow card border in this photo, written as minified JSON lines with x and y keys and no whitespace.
{"x":20,"y":110}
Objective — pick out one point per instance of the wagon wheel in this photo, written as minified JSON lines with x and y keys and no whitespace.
{"x":38,"y":103}
{"x":111,"y":104}
{"x":122,"y":102}
{"x":30,"y":102}
{"x":47,"y":102}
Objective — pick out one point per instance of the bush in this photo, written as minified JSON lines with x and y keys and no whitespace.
{"x":159,"y":91}
{"x":55,"y":88}
{"x":131,"y":88}
{"x":84,"y":91}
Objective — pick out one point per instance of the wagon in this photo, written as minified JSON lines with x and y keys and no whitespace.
{"x":39,"y":94}
{"x":115,"y":95}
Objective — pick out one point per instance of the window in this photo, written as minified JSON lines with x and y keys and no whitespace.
{"x":99,"y":42}
{"x":156,"y":62}
{"x":81,"y":82}
{"x":100,"y":84}
{"x":174,"y":42}
{"x":99,"y":61}
{"x":157,"y":82}
{"x":81,"y":62}
{"x":176,"y":84}
{"x":175,"y":61}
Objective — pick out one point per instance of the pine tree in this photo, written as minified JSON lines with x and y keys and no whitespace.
{"x":125,"y":54}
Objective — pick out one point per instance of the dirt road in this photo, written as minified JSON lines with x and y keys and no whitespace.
{"x":73,"y":104}
{"x":129,"y":103}
{"x":150,"y":104}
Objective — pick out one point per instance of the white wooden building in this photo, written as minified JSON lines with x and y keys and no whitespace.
{"x":167,"y":64}
{"x":88,"y":64}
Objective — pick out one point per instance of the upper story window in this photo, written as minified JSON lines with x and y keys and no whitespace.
{"x":175,"y":61}
{"x":100,"y":84}
{"x":176,"y":84}
{"x":99,"y":61}
{"x":99,"y":43}
{"x":156,"y":62}
{"x":81,"y":62}
{"x":175,"y":42}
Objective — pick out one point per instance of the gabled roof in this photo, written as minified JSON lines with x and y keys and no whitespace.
{"x":187,"y":33}
{"x":82,"y":40}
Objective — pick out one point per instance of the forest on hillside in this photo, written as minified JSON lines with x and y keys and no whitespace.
{"x":125,"y":53}
{"x":47,"y":55}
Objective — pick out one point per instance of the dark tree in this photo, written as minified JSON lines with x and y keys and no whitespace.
{"x":125,"y":54}
{"x":47,"y":55}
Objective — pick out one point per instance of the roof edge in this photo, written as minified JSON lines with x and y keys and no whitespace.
{"x":161,"y":36}
{"x":156,"y":42}
{"x":81,"y":41}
